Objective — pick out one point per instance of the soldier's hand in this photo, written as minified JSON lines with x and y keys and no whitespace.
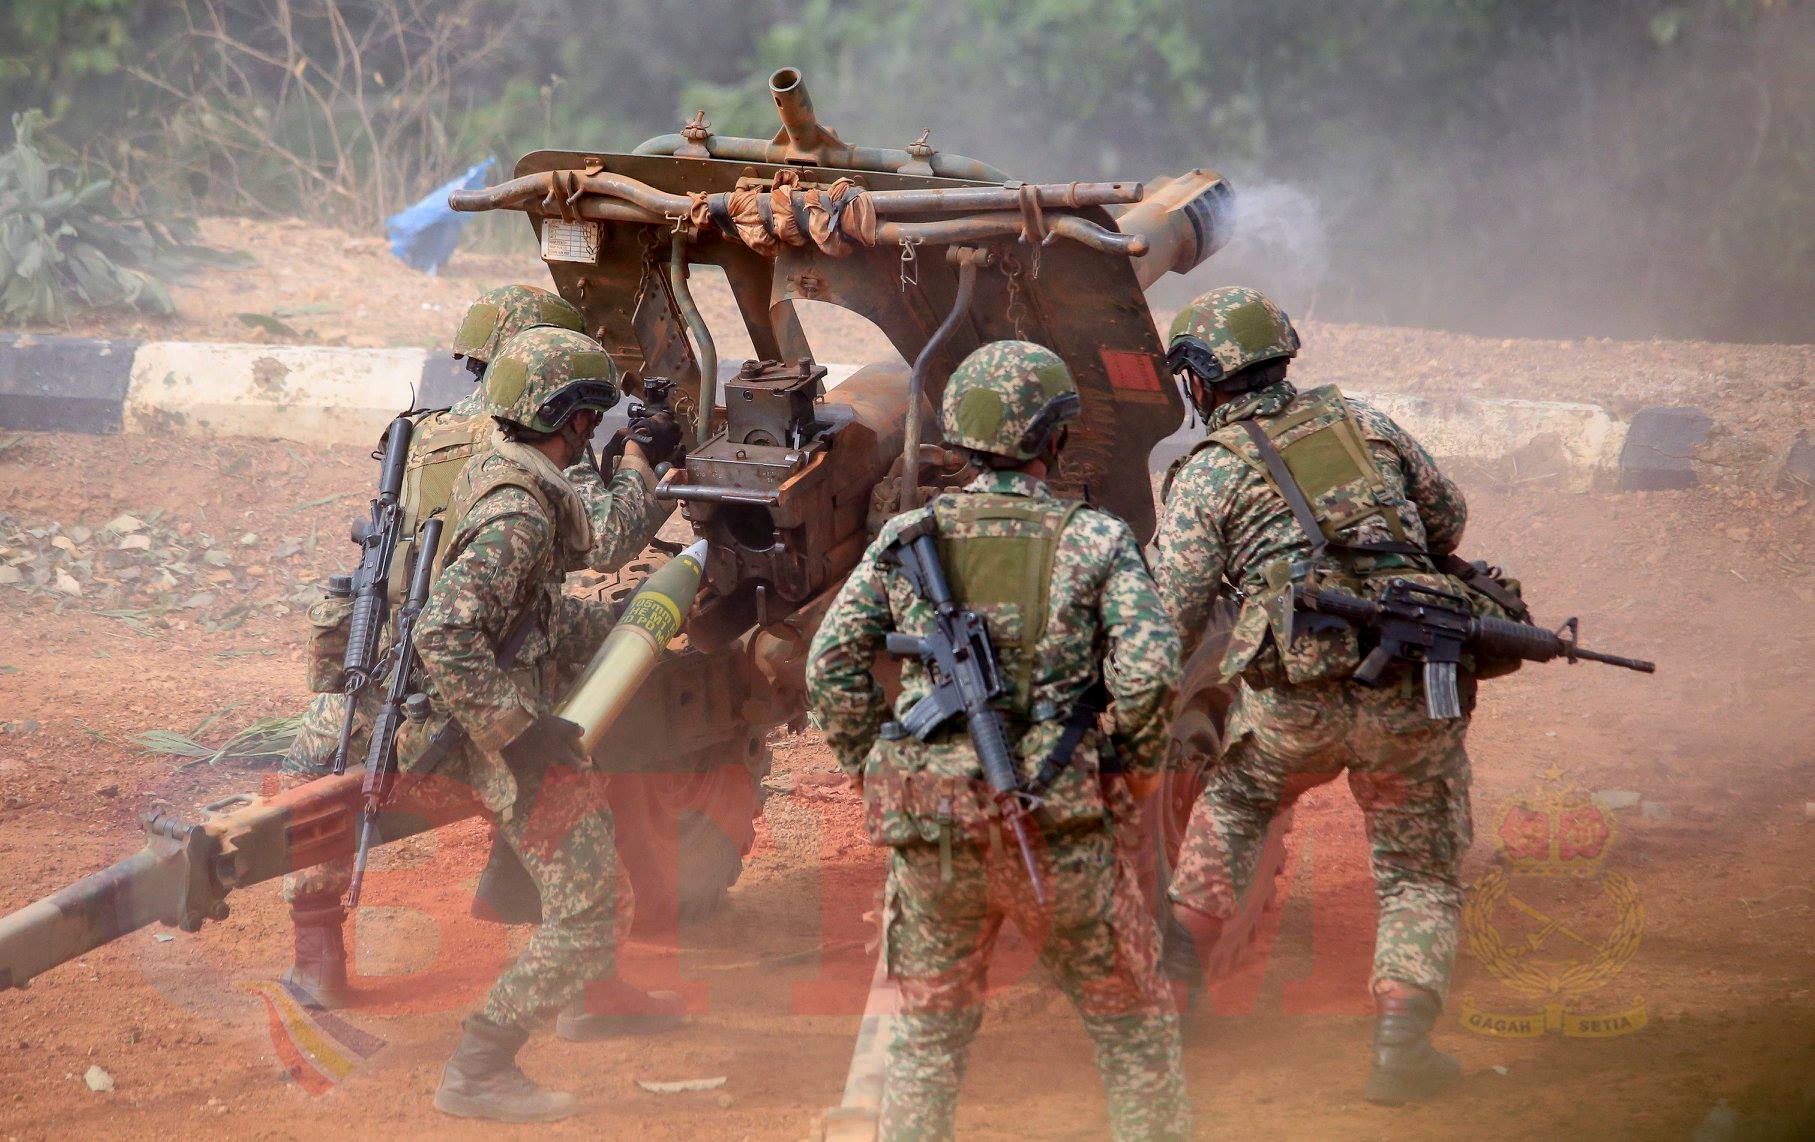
{"x":549,"y":740}
{"x":658,"y":435}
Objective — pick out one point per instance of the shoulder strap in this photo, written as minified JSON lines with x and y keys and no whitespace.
{"x":1288,"y":487}
{"x":1301,"y":507}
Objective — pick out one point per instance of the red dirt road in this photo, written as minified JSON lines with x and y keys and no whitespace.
{"x":1714,"y":585}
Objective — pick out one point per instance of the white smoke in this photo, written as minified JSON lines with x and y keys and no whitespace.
{"x":1281,"y":246}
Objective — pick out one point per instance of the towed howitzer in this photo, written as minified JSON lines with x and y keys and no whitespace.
{"x":1414,"y":623}
{"x":369,"y":584}
{"x":793,"y":464}
{"x":961,"y":665}
{"x":186,"y":870}
{"x":401,"y":699}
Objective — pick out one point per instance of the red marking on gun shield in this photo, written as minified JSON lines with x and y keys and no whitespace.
{"x":1130,"y":371}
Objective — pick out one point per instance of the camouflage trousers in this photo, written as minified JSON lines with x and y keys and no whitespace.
{"x":1408,"y":773}
{"x":560,"y":828}
{"x":578,"y":631}
{"x":311,"y":756}
{"x":1097,"y":940}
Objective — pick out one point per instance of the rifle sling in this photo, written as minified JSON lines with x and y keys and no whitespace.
{"x":1288,"y":487}
{"x":452,"y":736}
{"x":1081,"y":720}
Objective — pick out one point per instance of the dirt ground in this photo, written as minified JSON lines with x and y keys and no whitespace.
{"x":1713,"y":585}
{"x":1695,"y":924}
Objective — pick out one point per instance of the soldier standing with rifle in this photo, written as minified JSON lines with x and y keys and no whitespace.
{"x":624,"y":513}
{"x":500,"y":641}
{"x":439,"y":447}
{"x":1300,"y":720}
{"x":1020,"y":617}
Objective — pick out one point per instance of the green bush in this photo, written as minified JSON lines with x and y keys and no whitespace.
{"x":67,"y":242}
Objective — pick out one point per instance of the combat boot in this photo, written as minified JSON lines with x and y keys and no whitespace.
{"x":610,"y":1008}
{"x":507,"y":894}
{"x":1189,"y":945}
{"x":320,"y":970}
{"x":482,"y":1080}
{"x":1406,"y":1067}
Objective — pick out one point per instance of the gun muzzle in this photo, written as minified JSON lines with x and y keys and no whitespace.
{"x":1184,"y":219}
{"x":651,"y":618}
{"x":396,"y":458}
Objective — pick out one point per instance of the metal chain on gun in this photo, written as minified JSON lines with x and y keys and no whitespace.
{"x":1017,"y":301}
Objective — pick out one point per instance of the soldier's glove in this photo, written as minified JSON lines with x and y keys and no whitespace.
{"x":549,"y":740}
{"x":659,"y":436}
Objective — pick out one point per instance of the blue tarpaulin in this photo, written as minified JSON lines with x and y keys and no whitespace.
{"x":424,"y":235}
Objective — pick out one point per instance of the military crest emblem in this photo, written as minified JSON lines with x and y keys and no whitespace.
{"x":1553,"y":926}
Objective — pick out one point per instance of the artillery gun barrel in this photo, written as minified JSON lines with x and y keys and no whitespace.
{"x":1183,"y":220}
{"x":653,"y":205}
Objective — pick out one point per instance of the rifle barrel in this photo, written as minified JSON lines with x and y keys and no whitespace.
{"x":1638,"y":664}
{"x":1017,"y":821}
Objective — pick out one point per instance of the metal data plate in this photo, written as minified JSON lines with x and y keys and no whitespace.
{"x":570,"y":241}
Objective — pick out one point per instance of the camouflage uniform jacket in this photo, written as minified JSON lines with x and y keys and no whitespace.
{"x":1102,"y":613}
{"x":507,"y":558}
{"x":1223,"y":523}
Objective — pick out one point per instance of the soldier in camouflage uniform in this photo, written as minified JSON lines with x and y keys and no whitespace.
{"x":1068,"y":601}
{"x":516,"y":527}
{"x":1298,"y":721}
{"x":443,"y":443}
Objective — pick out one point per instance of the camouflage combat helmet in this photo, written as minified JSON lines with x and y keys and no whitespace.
{"x":545,"y":375}
{"x":1006,"y":399}
{"x":499,"y":314}
{"x":1227,"y":330}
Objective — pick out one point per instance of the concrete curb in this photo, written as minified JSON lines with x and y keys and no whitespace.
{"x":316,"y":395}
{"x":333,"y":396}
{"x":63,"y":384}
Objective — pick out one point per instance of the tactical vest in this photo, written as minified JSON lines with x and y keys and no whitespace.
{"x":502,"y":474}
{"x":439,"y":452}
{"x":1006,"y":574}
{"x":933,"y":792}
{"x":1325,"y":453}
{"x":540,"y":604}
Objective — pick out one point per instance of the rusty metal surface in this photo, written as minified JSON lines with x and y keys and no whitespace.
{"x":560,"y":192}
{"x":803,"y":139}
{"x":1087,"y":305}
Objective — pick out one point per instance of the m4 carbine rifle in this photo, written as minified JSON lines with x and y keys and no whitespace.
{"x":1415,"y":623}
{"x":961,"y":666}
{"x":377,"y":538}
